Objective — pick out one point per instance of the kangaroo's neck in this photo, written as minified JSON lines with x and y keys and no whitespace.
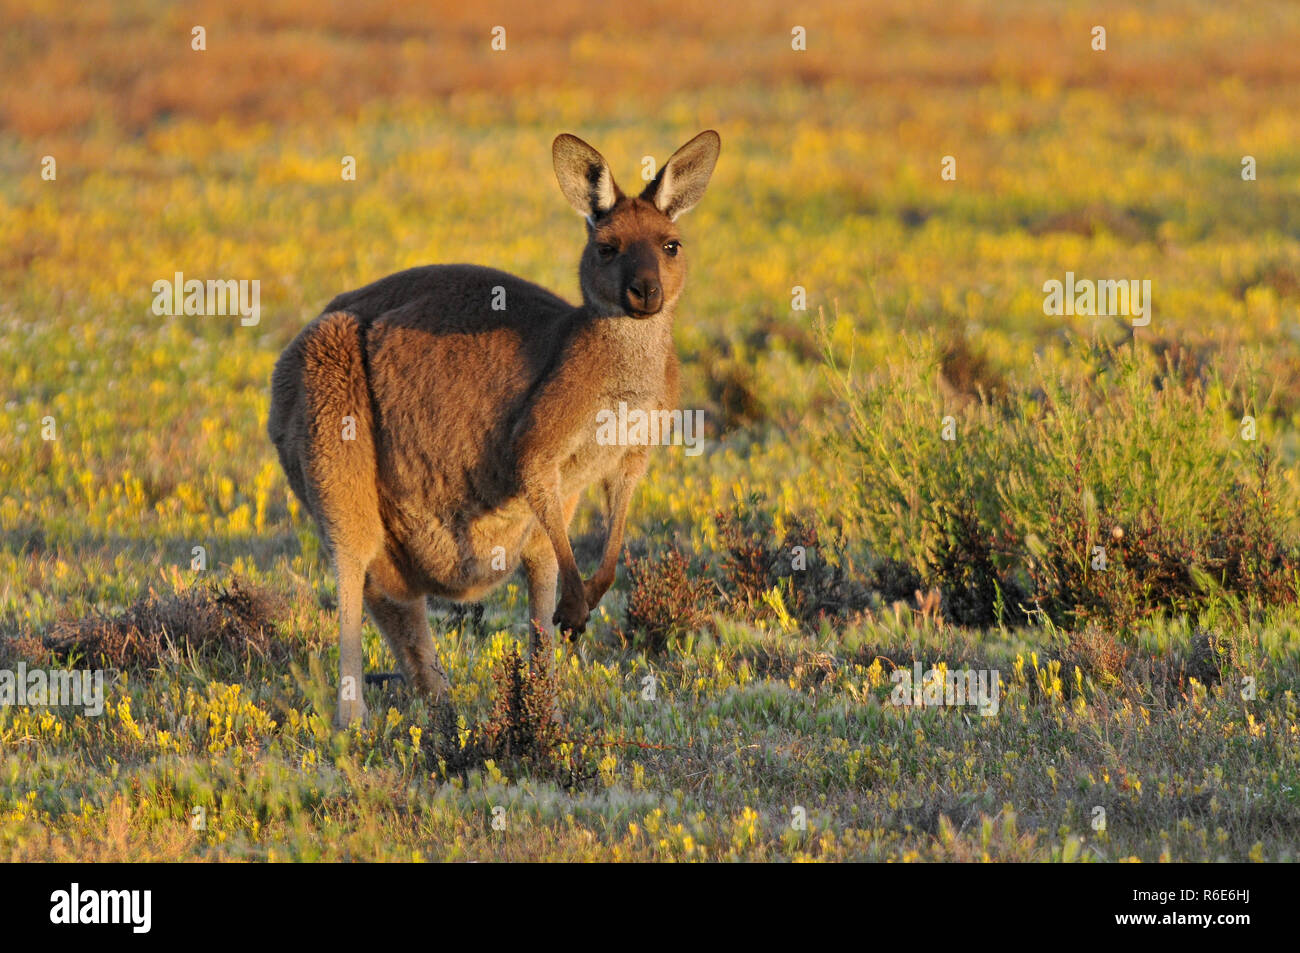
{"x":631,"y":347}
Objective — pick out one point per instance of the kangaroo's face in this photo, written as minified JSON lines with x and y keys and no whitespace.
{"x":633,"y":263}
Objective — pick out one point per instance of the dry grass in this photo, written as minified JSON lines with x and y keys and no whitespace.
{"x":131,"y":64}
{"x":236,"y":620}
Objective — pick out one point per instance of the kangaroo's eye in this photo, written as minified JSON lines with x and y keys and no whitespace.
{"x":671,"y":248}
{"x":606,"y":252}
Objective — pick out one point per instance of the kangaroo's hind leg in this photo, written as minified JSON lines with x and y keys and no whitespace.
{"x":339,"y":478}
{"x":405,"y":626}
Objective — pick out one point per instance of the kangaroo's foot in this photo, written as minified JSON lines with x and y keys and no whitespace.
{"x":350,"y":712}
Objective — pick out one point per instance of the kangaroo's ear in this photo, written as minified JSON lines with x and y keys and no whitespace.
{"x":584,"y":176}
{"x":681,"y":182}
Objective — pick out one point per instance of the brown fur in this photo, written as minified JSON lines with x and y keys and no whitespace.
{"x":422,"y":429}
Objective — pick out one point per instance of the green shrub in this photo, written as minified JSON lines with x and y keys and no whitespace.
{"x":1113,"y":486}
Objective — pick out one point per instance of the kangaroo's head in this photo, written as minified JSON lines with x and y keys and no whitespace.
{"x":633,"y":263}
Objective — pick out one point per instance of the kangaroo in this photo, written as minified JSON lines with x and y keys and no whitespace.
{"x":440,"y":424}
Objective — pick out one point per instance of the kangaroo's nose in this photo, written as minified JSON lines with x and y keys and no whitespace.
{"x":645,"y":295}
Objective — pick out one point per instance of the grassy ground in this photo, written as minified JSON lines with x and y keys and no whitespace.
{"x":1161,"y":690}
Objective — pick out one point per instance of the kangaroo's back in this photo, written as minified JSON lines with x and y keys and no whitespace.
{"x":439,"y":356}
{"x":451,"y":371}
{"x":457,"y":298}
